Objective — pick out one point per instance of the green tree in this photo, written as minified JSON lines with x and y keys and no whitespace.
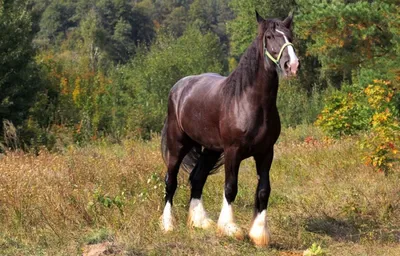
{"x":123,"y":26}
{"x":57,"y":19}
{"x":346,"y":36}
{"x":149,"y":77}
{"x":20,"y":82}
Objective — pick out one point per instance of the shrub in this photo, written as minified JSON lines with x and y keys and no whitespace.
{"x":382,"y":146}
{"x":296,"y":106}
{"x":374,"y":108}
{"x":345,"y":112}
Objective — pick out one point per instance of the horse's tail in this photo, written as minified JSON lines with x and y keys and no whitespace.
{"x":164,"y":149}
{"x":191,"y":159}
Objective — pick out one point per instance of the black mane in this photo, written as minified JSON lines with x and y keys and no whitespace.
{"x":245,"y":72}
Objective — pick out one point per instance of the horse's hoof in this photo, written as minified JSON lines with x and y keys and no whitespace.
{"x":260,"y":235}
{"x":167,"y":223}
{"x":205,"y":223}
{"x":231,"y":229}
{"x":197,"y":215}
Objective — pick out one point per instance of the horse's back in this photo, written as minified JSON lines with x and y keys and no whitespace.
{"x":196,"y":82}
{"x":195,"y":89}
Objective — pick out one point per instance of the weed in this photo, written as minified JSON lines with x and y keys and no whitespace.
{"x":314,"y":250}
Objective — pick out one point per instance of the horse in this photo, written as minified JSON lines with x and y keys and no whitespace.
{"x":215,"y":120}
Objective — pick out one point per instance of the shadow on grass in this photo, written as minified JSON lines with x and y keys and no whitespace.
{"x":350,"y":231}
{"x":339,"y":230}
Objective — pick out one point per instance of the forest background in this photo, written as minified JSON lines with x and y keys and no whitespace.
{"x":73,"y":71}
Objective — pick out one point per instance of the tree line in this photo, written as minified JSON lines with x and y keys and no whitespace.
{"x":73,"y":71}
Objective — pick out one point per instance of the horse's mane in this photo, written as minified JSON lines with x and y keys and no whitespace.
{"x":244,"y":73}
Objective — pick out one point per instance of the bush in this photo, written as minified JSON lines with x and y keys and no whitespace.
{"x":382,"y":146}
{"x":345,"y":112}
{"x":296,"y":106}
{"x":373,"y":109}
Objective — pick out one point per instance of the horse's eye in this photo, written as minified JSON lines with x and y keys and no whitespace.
{"x":269,"y":37}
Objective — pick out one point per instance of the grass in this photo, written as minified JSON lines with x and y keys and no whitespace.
{"x":56,"y":203}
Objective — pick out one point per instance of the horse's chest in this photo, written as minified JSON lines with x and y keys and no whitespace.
{"x":269,"y":131}
{"x":253,"y":129}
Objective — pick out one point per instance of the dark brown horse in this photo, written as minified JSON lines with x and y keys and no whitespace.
{"x":236,"y":116}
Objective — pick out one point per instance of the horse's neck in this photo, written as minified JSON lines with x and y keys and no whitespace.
{"x":266,"y":86}
{"x":252,"y":81}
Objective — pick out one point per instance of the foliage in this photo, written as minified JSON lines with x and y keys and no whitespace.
{"x":382,"y":146}
{"x":351,"y":35}
{"x":121,"y":26}
{"x":354,"y":109}
{"x":357,"y":43}
{"x":345,"y":112}
{"x":20,"y":82}
{"x":296,"y":106}
{"x":77,"y":70}
{"x":314,"y":250}
{"x":151,"y":75}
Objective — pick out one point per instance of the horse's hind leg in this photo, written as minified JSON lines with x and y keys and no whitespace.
{"x":197,"y":214}
{"x":259,"y":232}
{"x":178,"y":145}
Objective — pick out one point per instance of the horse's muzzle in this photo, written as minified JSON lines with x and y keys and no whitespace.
{"x":291,"y":67}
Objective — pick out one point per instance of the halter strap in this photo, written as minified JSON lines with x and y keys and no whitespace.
{"x":276,"y":61}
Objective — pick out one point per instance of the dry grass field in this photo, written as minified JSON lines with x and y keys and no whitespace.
{"x":59,"y":203}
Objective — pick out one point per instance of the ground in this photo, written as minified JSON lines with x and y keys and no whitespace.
{"x":104,"y":199}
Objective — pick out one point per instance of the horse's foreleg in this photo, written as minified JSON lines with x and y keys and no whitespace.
{"x":226,"y":224}
{"x":259,"y":232}
{"x":197,"y":214}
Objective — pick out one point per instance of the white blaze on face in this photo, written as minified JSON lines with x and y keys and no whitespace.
{"x":294,"y":61}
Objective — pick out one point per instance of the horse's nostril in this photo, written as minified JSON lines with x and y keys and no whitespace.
{"x":287,"y":65}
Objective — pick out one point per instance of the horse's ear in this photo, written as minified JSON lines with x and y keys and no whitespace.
{"x":288,"y":21}
{"x":259,"y":18}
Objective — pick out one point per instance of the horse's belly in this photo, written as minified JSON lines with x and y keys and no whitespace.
{"x":203,"y":131}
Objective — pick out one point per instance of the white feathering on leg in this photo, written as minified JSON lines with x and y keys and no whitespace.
{"x":259,"y":232}
{"x":226,"y":223}
{"x":197,"y":215}
{"x":167,"y":222}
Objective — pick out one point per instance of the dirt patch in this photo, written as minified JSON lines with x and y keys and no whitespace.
{"x":290,"y":254}
{"x":106,"y":248}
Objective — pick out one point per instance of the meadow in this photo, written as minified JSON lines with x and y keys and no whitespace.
{"x":112,"y":194}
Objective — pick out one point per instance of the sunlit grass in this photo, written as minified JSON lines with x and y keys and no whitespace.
{"x":55,"y":204}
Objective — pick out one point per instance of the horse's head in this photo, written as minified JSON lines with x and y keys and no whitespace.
{"x":275,"y":37}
